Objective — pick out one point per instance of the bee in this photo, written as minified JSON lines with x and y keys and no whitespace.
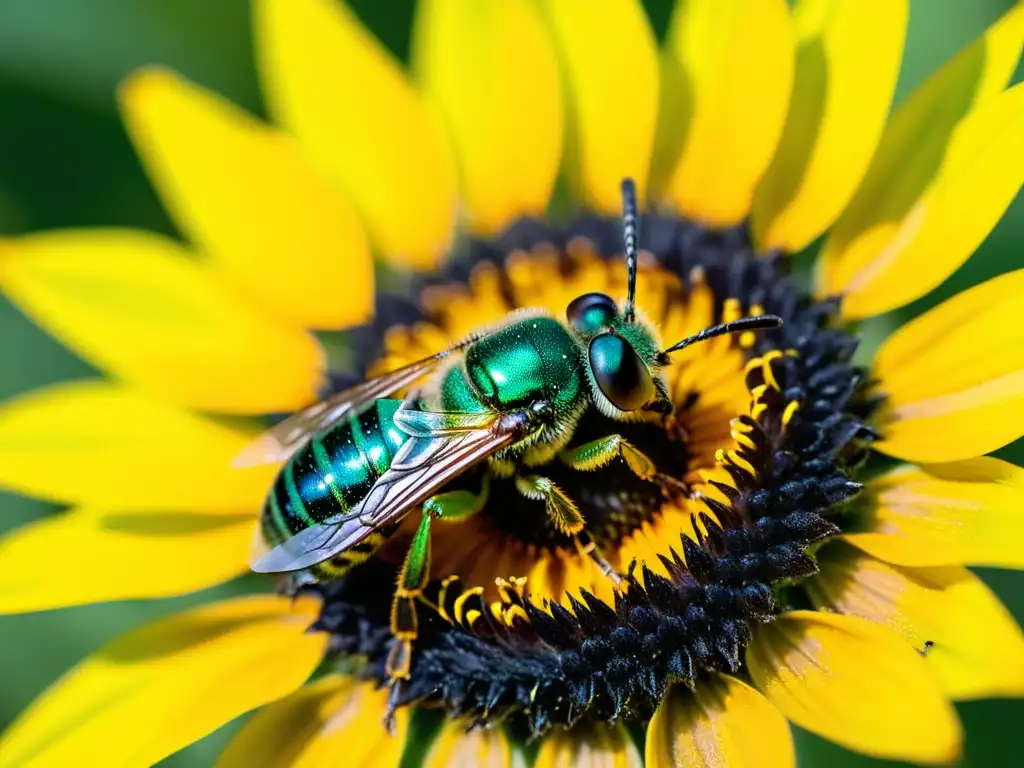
{"x":510,"y":396}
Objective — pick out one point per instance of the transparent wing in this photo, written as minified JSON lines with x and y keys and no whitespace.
{"x":282,"y":440}
{"x":419,"y":469}
{"x":435,"y":423}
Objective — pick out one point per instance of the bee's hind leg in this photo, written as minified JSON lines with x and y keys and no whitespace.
{"x":291,"y":584}
{"x":587,"y":546}
{"x":413,"y":578}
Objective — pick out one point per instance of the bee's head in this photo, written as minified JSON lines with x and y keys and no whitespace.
{"x":624,"y":360}
{"x":622,"y":357}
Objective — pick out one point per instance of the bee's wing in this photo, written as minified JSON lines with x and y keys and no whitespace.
{"x":420,"y":468}
{"x":282,"y":440}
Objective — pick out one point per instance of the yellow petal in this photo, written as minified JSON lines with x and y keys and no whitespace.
{"x":101,"y":444}
{"x":855,"y":683}
{"x":601,"y":746}
{"x":328,"y":81}
{"x":334,"y":719}
{"x":244,"y":193}
{"x":491,"y":66}
{"x":723,"y":723}
{"x":610,"y":62}
{"x":841,"y":98}
{"x":91,"y":556}
{"x":895,"y":262}
{"x":137,"y":306}
{"x":159,"y":688}
{"x":954,"y":376}
{"x":946,"y":168}
{"x":964,"y":513}
{"x":455,"y":748}
{"x":967,"y":636}
{"x":727,"y":73}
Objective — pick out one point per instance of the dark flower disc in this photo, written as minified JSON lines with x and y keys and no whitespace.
{"x":494,"y":655}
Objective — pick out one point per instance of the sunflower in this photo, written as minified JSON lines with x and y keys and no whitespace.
{"x":808,"y":561}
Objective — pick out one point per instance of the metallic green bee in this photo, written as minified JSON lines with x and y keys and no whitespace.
{"x":511,"y":396}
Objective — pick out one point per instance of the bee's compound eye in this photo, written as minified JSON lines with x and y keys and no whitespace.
{"x":620,"y":373}
{"x":591,"y":312}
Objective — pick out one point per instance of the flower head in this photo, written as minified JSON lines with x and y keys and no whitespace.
{"x":785,"y":540}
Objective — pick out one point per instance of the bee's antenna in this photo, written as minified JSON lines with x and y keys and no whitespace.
{"x":631,"y":233}
{"x":758,"y":323}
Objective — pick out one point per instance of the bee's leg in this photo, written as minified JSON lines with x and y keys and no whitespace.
{"x":454,"y":506}
{"x":415,"y":573}
{"x":411,"y":581}
{"x":404,"y":627}
{"x":599,"y":453}
{"x":587,"y":546}
{"x":291,"y":584}
{"x":567,"y":518}
{"x":560,"y":508}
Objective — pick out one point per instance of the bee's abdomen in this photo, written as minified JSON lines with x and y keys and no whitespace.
{"x":331,"y":474}
{"x":360,"y":553}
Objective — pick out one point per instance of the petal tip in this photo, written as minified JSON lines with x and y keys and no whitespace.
{"x":137,"y":83}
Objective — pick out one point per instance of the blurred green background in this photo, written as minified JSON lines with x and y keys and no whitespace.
{"x":65,"y":161}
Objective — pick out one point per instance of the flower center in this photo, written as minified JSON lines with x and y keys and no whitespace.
{"x":617,"y":502}
{"x":533,"y":267}
{"x":751,"y":465}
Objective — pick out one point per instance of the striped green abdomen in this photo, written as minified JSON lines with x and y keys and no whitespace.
{"x":330,"y":475}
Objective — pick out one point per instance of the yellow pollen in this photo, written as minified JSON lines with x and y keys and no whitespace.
{"x":732,"y":311}
{"x":732,"y":457}
{"x":791,"y":409}
{"x":460,"y":603}
{"x":497,"y":612}
{"x":514,"y":612}
{"x":744,"y":440}
{"x":766,"y":366}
